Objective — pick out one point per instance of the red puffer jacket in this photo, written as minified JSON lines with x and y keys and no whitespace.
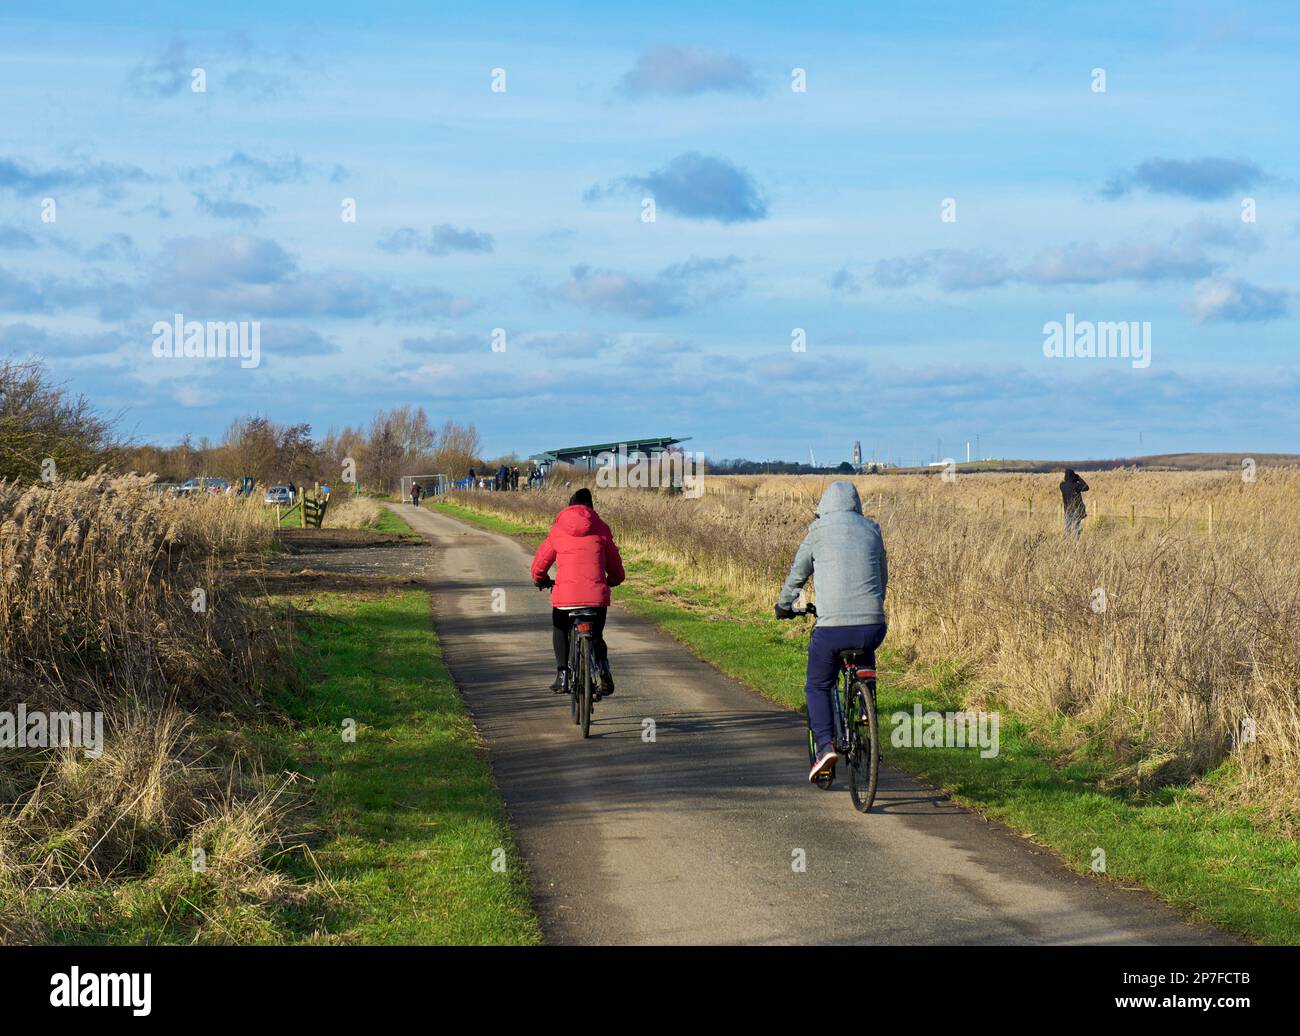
{"x":586,"y":561}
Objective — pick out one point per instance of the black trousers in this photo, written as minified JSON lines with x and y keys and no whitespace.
{"x":561,"y":621}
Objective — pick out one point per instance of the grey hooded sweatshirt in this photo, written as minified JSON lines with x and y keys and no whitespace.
{"x":846,"y":550}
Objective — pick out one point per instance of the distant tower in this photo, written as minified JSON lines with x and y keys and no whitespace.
{"x":857,"y":454}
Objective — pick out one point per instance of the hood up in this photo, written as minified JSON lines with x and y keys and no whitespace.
{"x":839,"y":497}
{"x":577,"y":520}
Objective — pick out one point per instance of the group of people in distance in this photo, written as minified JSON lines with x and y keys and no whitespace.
{"x":504,"y":478}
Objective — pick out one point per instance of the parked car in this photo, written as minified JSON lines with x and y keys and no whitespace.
{"x":279,"y":495}
{"x":203,"y":485}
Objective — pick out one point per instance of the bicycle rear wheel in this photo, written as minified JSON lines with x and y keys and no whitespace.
{"x":588,"y":685}
{"x":864,"y":750}
{"x":574,"y":668}
{"x":575,"y":691}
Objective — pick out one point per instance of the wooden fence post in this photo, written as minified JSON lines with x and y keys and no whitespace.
{"x":1209,"y":519}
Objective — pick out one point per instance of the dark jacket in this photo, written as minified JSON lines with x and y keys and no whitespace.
{"x":1072,"y":490}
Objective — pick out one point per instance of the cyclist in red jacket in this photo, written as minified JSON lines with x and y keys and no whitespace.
{"x":587,"y":564}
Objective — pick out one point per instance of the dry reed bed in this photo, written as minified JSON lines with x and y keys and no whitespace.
{"x":97,"y":581}
{"x":1199,"y":631}
{"x":352,"y":512}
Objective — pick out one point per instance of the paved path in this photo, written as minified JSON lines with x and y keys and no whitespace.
{"x":692,"y":838}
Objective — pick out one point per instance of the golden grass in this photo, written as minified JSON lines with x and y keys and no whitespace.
{"x":352,"y":512}
{"x":98,"y":613}
{"x":1198,"y":640}
{"x":98,"y":592}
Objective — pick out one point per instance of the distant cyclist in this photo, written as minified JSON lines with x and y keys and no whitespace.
{"x":587,"y":564}
{"x":847,"y":553}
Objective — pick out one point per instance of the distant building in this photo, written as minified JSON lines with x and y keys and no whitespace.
{"x":857,"y":453}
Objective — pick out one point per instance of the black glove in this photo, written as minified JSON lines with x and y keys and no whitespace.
{"x":784,"y":611}
{"x":545,"y":583}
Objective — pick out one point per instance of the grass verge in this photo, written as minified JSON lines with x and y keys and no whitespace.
{"x":1217,"y":864}
{"x":391,"y":521}
{"x":406,"y":838}
{"x":412,"y":838}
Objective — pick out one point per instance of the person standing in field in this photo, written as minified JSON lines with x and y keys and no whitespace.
{"x":1072,"y":490}
{"x":845,"y":550}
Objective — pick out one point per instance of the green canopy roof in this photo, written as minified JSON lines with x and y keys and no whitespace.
{"x":570,"y":454}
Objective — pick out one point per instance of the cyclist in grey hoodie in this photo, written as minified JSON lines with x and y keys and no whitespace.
{"x":847,"y":553}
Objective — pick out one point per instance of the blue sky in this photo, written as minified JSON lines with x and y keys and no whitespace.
{"x":522,"y":209}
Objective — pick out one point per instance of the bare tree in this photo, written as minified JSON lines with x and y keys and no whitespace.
{"x":383,"y":455}
{"x":458,"y":449}
{"x":40,"y":421}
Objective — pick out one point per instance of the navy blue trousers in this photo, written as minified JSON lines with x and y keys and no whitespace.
{"x":823,"y":670}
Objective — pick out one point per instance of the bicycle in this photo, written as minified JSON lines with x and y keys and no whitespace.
{"x":582,"y":672}
{"x":857,"y":727}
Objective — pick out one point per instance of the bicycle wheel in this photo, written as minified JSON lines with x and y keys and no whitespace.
{"x":574,"y":669}
{"x":588,"y":685}
{"x":575,"y":692}
{"x":864,"y":747}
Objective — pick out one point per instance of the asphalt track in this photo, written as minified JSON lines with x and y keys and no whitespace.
{"x":710,"y":833}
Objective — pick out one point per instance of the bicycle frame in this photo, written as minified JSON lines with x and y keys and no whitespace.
{"x":850,"y":673}
{"x":838,"y":707}
{"x":576,"y":646}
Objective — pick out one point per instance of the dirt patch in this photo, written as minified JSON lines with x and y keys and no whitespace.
{"x":306,"y":541}
{"x":313,"y":581}
{"x":353,"y":567}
